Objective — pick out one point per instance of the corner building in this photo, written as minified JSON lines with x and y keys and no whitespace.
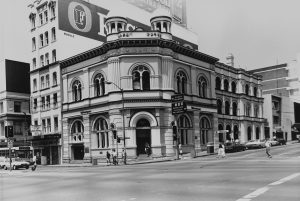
{"x":144,"y":69}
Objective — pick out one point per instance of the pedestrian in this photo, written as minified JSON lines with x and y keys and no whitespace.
{"x":114,"y":156}
{"x":148,"y":149}
{"x":33,"y":168}
{"x":180,"y":150}
{"x":268,"y":148}
{"x":107,"y":158}
{"x":221,"y":151}
{"x":124,"y":156}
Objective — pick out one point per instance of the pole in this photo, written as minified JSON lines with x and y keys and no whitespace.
{"x":123,"y":117}
{"x":177,"y":139}
{"x":9,"y":152}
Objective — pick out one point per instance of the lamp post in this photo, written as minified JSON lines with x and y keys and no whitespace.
{"x":123,"y":117}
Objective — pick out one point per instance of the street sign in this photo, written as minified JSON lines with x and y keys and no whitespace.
{"x":10,"y":144}
{"x":178,"y":104}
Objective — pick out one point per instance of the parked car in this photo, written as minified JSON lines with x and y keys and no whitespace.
{"x":281,"y":141}
{"x":15,"y":164}
{"x":252,"y":144}
{"x":234,"y":146}
{"x":273,"y":142}
{"x":2,"y":161}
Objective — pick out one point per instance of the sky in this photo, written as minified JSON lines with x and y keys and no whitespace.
{"x":258,"y":33}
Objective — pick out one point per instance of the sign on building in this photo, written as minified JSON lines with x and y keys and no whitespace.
{"x":178,"y":104}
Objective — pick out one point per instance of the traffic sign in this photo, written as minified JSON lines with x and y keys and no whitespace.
{"x":178,"y":104}
{"x":10,"y":144}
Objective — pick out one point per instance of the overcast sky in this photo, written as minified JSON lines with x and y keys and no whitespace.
{"x":258,"y":33}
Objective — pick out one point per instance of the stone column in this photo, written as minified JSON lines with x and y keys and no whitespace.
{"x":67,"y":152}
{"x":87,"y":136}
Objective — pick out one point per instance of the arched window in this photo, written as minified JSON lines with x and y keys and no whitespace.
{"x":219,"y":105}
{"x":255,"y":92}
{"x":248,"y":110}
{"x":77,"y":131}
{"x":233,"y":87}
{"x":141,"y":78}
{"x":234,"y":109}
{"x":101,"y":128}
{"x":99,"y":85}
{"x":183,"y":127}
{"x":204,"y":128}
{"x":202,"y":85}
{"x":218,"y":83}
{"x":249,"y":133}
{"x":226,"y":85}
{"x":227,"y":108}
{"x":247,"y":89}
{"x":76,"y":91}
{"x":257,"y":133}
{"x":143,"y":123}
{"x":220,"y":128}
{"x":181,"y":82}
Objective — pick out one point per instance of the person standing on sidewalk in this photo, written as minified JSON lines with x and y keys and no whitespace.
{"x":107,"y":158}
{"x":268,"y":148}
{"x":221,"y":151}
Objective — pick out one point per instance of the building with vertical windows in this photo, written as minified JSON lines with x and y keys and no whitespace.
{"x":239,"y":103}
{"x":53,"y":31}
{"x":14,"y":100}
{"x":126,"y":85}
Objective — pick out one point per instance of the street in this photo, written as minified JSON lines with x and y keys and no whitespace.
{"x":241,"y":176}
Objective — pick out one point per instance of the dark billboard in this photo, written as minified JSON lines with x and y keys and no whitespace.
{"x":82,"y":18}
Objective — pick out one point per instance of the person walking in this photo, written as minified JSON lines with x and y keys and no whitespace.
{"x":268,"y":148}
{"x":114,"y":156}
{"x":221,"y":151}
{"x":148,"y":149}
{"x":124,"y":156}
{"x":107,"y":158}
{"x":33,"y":168}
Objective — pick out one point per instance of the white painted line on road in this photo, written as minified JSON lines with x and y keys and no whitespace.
{"x":285,"y":179}
{"x":264,"y":189}
{"x":257,"y":192}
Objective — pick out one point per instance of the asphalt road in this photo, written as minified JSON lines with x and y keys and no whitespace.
{"x":241,"y":176}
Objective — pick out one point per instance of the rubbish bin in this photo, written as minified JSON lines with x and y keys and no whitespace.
{"x":210,"y":147}
{"x":95,"y":161}
{"x":43,"y":160}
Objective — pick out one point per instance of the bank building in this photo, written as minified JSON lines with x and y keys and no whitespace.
{"x":126,"y":85}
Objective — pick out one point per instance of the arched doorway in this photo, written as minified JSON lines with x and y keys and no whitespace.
{"x":143,"y":135}
{"x":235,"y":132}
{"x":249,"y":133}
{"x":77,"y":130}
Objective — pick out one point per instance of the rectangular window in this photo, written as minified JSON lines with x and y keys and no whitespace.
{"x":55,"y":100}
{"x":53,"y":34}
{"x":48,"y":102}
{"x":55,"y":124}
{"x":47,"y":58}
{"x":34,"y":85}
{"x":42,"y":82}
{"x":42,"y":61}
{"x":33,"y":63}
{"x":43,"y":103}
{"x":35,"y":104}
{"x":47,"y":81}
{"x":54,"y":79}
{"x":17,"y":106}
{"x":53,"y":56}
{"x":52,"y":8}
{"x":1,"y":107}
{"x":46,"y":38}
{"x":46,"y":16}
{"x":41,"y":18}
{"x":33,"y":44}
{"x":44,"y":127}
{"x":41,"y":40}
{"x":32,"y":21}
{"x":49,"y":125}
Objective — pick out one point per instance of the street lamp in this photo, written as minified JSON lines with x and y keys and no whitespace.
{"x":122,"y":93}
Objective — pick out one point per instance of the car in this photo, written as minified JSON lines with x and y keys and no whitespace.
{"x":234,"y":147}
{"x":15,"y":164}
{"x":2,"y":161}
{"x":273,"y":142}
{"x":281,"y":141}
{"x":252,"y":144}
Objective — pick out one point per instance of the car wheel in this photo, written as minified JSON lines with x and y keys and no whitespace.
{"x":27,"y":167}
{"x":5,"y":168}
{"x":14,"y":167}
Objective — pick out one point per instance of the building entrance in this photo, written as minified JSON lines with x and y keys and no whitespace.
{"x":78,"y":152}
{"x":143,"y":135}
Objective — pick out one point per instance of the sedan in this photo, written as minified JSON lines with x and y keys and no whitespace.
{"x":252,"y":144}
{"x":234,"y":146}
{"x":15,"y":164}
{"x":274,"y":142}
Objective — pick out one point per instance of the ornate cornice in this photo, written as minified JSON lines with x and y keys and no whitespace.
{"x":104,"y":51}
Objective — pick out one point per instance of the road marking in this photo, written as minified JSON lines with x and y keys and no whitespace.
{"x":264,"y":189}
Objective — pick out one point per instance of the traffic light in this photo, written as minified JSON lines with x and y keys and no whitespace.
{"x":9,"y":131}
{"x":174,"y":127}
{"x":118,"y":140}
{"x":114,"y":134}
